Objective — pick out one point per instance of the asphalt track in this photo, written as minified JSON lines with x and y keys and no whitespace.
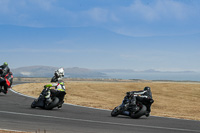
{"x":16,"y":114}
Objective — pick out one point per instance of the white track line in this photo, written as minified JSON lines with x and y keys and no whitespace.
{"x":96,"y":108}
{"x":64,"y":103}
{"x":100,"y":122}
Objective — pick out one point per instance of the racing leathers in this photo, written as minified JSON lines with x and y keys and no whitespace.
{"x":6,"y":78}
{"x":5,"y":69}
{"x":59,"y":92}
{"x":145,"y":97}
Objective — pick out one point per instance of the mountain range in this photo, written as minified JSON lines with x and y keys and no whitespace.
{"x":76,"y":72}
{"x":48,"y":71}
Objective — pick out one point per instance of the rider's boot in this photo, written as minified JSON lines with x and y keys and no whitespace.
{"x":147,"y":114}
{"x":60,"y":104}
{"x":5,"y":91}
{"x":148,"y":110}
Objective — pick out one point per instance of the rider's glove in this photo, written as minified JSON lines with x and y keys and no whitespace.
{"x":151,"y":101}
{"x":45,"y":87}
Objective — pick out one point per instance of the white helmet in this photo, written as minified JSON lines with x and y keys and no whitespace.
{"x":59,"y":73}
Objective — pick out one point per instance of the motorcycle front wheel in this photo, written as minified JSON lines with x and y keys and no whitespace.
{"x":33,"y":104}
{"x":115,"y":112}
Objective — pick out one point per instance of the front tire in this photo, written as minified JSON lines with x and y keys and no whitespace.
{"x":115,"y":112}
{"x":33,"y":104}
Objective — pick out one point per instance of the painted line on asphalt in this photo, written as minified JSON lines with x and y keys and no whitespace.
{"x":99,"y":122}
{"x":64,"y":103}
{"x":20,"y":93}
{"x":96,"y":108}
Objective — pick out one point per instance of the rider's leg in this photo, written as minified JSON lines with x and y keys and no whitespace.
{"x":61,"y":96}
{"x":133,"y":103}
{"x":47,"y":94}
{"x":147,"y":103}
{"x":5,"y":90}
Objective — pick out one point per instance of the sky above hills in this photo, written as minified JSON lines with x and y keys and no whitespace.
{"x":101,"y":34}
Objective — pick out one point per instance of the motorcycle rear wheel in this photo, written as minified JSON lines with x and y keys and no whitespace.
{"x":140,"y":113}
{"x":53,"y":104}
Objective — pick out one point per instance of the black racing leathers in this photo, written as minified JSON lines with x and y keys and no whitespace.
{"x":142,"y":96}
{"x":4,"y":70}
{"x":6,"y":77}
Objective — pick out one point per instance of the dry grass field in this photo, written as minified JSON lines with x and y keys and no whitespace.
{"x":172,"y":99}
{"x":9,"y":131}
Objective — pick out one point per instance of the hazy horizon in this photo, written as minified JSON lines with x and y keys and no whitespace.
{"x":107,"y":69}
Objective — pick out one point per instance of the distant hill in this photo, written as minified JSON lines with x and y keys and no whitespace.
{"x":47,"y":71}
{"x":76,"y":72}
{"x":34,"y":71}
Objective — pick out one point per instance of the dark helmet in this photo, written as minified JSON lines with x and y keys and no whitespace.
{"x":5,"y":63}
{"x":148,"y":89}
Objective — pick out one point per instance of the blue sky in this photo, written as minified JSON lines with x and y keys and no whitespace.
{"x":101,"y":34}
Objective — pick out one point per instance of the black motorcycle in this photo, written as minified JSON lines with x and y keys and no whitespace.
{"x":43,"y":103}
{"x":129,"y":110}
{"x":2,"y":84}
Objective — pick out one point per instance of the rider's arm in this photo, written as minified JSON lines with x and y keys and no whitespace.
{"x":51,"y":85}
{"x":142,"y":94}
{"x":6,"y":70}
{"x":138,"y":92}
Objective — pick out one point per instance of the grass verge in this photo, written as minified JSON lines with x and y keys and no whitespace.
{"x":172,"y":99}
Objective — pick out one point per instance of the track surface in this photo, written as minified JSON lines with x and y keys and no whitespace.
{"x":16,"y":114}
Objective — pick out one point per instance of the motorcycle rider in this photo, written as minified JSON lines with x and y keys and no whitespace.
{"x":6,"y":76}
{"x":59,"y":90}
{"x":144,"y":96}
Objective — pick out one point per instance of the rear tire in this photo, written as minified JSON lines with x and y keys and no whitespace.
{"x":53,"y":104}
{"x":140,"y":113}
